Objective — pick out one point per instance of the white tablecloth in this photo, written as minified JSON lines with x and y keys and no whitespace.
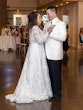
{"x":7,"y":42}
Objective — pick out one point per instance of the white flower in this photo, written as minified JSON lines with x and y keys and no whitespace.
{"x":45,"y":19}
{"x":52,"y":25}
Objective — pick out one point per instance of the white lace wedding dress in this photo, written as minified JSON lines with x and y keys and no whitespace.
{"x":34,"y":82}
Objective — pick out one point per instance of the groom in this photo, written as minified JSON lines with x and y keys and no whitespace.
{"x":54,"y":50}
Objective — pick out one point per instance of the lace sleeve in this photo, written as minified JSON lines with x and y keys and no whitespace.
{"x":39,"y":35}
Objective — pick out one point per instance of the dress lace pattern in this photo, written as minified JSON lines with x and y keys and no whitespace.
{"x":34,"y":82}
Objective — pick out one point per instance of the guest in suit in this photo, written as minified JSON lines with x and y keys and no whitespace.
{"x":54,"y":49}
{"x":65,"y":43}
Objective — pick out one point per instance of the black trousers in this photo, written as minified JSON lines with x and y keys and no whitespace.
{"x":55,"y":76}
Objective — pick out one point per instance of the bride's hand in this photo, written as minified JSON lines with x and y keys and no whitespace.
{"x":49,"y":30}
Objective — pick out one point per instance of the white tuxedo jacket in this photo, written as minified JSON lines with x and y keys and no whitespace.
{"x":54,"y":43}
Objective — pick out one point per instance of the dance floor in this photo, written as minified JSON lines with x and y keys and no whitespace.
{"x":72,"y":82}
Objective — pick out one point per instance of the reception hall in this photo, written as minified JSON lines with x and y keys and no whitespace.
{"x":14,"y":47}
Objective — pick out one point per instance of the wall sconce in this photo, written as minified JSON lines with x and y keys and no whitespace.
{"x":17,"y":10}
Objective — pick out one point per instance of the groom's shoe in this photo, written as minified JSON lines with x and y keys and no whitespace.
{"x":54,"y":98}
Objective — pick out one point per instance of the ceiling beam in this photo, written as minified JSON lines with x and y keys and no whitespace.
{"x":49,"y":4}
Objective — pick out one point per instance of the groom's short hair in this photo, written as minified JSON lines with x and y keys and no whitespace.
{"x":52,"y":8}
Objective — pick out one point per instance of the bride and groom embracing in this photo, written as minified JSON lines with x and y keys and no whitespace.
{"x":41,"y":74}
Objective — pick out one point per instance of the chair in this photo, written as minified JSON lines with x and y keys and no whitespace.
{"x":23,"y":47}
{"x":18,"y":48}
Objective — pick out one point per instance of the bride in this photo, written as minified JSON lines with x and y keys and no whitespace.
{"x":34,"y":82}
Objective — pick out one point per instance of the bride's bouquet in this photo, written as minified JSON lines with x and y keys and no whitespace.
{"x":45,"y":19}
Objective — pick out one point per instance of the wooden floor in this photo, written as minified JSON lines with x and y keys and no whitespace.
{"x":72,"y":82}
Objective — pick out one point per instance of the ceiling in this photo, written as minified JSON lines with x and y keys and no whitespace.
{"x":56,"y":3}
{"x":43,"y":4}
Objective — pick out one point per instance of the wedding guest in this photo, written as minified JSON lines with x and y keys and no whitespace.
{"x":81,"y":35}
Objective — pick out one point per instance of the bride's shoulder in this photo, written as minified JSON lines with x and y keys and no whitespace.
{"x":35,"y":27}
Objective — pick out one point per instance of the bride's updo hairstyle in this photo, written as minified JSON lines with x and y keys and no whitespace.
{"x":32,"y":19}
